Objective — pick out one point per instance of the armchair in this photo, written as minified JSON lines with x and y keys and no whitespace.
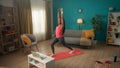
{"x":28,"y":41}
{"x":87,"y":38}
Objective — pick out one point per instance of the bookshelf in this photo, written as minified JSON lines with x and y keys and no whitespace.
{"x":113,"y":28}
{"x":9,"y":36}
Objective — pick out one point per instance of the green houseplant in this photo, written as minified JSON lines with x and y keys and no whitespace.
{"x":97,"y":21}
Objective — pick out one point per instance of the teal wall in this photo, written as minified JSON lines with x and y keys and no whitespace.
{"x":89,"y":9}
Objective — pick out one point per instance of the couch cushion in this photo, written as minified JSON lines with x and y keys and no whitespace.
{"x":85,"y":41}
{"x":72,"y":33}
{"x":72,"y":40}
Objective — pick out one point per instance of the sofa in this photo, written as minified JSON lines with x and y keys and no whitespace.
{"x":78,"y":37}
{"x":72,"y":36}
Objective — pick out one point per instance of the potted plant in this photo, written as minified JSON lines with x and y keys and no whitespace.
{"x":97,"y":21}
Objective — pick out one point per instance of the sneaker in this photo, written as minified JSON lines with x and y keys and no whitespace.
{"x":72,"y":51}
{"x":52,"y":55}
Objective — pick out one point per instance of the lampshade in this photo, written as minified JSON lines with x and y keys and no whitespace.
{"x":80,"y":20}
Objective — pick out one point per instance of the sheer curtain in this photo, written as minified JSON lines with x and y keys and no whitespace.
{"x":38,"y":19}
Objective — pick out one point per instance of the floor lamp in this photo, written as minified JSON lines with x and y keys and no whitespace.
{"x":79,"y":21}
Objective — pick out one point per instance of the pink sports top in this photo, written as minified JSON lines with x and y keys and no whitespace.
{"x":59,"y":32}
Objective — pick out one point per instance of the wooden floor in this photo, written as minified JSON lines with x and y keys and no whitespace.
{"x":19,"y":60}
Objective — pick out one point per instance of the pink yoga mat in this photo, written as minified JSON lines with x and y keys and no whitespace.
{"x":66,"y":54}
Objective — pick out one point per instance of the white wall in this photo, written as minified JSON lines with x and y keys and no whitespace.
{"x":8,"y":3}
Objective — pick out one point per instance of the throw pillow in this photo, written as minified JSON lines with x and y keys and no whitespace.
{"x":89,"y":33}
{"x":31,"y":37}
{"x":26,"y":39}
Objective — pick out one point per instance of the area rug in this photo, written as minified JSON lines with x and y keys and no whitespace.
{"x":65,"y":54}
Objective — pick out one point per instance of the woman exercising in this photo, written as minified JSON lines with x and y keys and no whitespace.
{"x":60,"y":28}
